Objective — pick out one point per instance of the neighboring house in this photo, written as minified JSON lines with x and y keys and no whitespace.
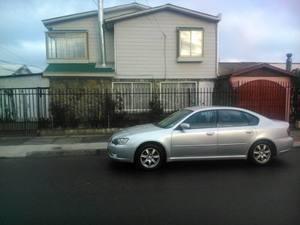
{"x":271,"y":85}
{"x":161,"y":48}
{"x":21,"y":76}
{"x":19,"y":96}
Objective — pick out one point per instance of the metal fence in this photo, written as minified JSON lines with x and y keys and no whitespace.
{"x":28,"y":110}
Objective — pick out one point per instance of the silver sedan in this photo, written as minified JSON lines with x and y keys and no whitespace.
{"x":199,"y":133}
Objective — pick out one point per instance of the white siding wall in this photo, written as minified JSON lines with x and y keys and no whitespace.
{"x":91,"y":25}
{"x":139,"y":47}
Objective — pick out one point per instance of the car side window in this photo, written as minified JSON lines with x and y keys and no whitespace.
{"x":234,"y":118}
{"x":204,"y":119}
{"x":252,"y":120}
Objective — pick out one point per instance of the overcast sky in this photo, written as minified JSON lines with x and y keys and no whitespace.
{"x":250,"y":30}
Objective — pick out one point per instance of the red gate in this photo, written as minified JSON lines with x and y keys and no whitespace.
{"x":263,"y":96}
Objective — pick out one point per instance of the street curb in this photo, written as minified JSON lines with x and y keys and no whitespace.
{"x":69,"y":150}
{"x":58,"y":153}
{"x":296,"y":144}
{"x":67,"y":132}
{"x":52,"y":150}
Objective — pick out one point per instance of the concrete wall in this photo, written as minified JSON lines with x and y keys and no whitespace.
{"x":139,"y":47}
{"x":80,"y":82}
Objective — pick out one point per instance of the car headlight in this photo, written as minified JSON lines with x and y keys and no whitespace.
{"x":120,"y":141}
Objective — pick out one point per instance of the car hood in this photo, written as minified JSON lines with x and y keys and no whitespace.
{"x":137,"y":130}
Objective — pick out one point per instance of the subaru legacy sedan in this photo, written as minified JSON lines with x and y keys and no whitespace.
{"x":199,"y":133}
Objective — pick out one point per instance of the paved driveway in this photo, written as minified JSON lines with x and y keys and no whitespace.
{"x":93,"y":190}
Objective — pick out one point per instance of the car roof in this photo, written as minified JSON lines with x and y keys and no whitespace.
{"x":199,"y":108}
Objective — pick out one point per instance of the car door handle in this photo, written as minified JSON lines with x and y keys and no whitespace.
{"x":249,"y":132}
{"x":210,"y":133}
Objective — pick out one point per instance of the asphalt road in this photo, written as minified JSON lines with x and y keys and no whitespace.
{"x":93,"y":190}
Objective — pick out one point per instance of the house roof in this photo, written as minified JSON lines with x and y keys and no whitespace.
{"x":238,"y":69}
{"x":166,"y":7}
{"x":76,"y":68}
{"x":295,"y":65}
{"x":50,"y":21}
{"x":226,"y":68}
{"x":13,"y":69}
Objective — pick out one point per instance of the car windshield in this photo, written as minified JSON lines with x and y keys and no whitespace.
{"x":174,"y":118}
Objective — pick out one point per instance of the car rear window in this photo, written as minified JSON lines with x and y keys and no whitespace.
{"x":252,"y":120}
{"x":232,"y":118}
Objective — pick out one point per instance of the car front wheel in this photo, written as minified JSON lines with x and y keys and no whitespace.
{"x":149,"y":157}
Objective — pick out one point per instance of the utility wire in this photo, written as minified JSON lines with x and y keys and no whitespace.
{"x":12,"y":53}
{"x":95,"y":2}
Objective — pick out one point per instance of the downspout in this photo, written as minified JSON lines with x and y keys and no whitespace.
{"x":165,"y":55}
{"x":100,"y":18}
{"x":217,"y":45}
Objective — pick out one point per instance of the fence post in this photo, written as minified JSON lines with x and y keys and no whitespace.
{"x":38,"y":95}
{"x":107,"y":107}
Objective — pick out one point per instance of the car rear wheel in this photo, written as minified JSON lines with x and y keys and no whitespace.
{"x":149,"y":157}
{"x":261,"y":152}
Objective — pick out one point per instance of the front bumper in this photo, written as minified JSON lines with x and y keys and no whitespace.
{"x":120,"y":152}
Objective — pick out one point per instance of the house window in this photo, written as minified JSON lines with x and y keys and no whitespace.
{"x":132,"y":96}
{"x":67,"y":45}
{"x":177,"y":95}
{"x":190,"y":43}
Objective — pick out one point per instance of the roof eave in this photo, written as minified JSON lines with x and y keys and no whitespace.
{"x":47,"y":22}
{"x":21,"y":75}
{"x":59,"y":19}
{"x":80,"y":74}
{"x":165,"y":7}
{"x":261,"y":66}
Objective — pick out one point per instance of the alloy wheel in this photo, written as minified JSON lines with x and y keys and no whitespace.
{"x":262,"y":153}
{"x":150,"y":157}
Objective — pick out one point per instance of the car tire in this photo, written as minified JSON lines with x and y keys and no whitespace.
{"x":149,"y":157}
{"x":261,"y":153}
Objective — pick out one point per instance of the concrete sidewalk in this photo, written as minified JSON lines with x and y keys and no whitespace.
{"x":46,"y":146}
{"x":14,"y":147}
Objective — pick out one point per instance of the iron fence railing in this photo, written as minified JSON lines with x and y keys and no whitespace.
{"x":27,"y":110}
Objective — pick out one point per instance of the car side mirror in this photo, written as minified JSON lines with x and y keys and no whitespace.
{"x":185,"y":126}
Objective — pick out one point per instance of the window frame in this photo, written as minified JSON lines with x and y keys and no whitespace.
{"x":200,"y":128}
{"x":248,"y":125}
{"x":132,"y":109}
{"x":189,"y":58}
{"x":85,"y":32}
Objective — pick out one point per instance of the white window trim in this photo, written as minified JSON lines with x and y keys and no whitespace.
{"x":85,"y":59}
{"x":189,"y":58}
{"x":176,"y":82}
{"x":132,"y":109}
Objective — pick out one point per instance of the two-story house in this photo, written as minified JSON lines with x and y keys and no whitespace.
{"x":146,"y":48}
